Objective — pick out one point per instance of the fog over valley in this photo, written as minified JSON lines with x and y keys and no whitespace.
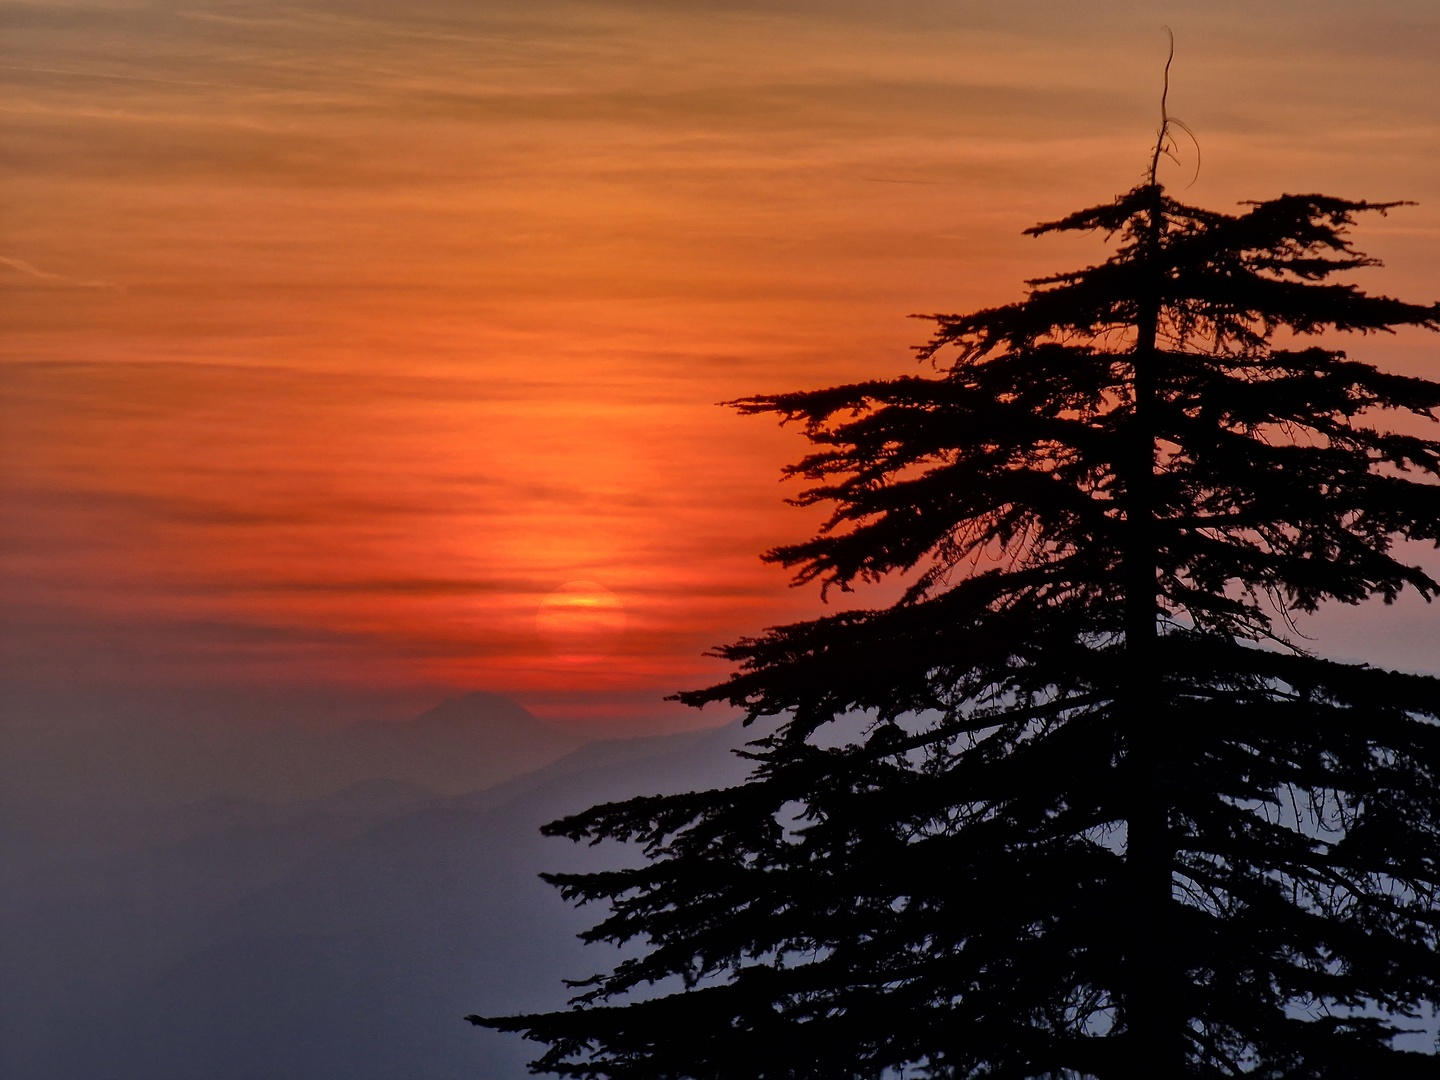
{"x":331,"y":908}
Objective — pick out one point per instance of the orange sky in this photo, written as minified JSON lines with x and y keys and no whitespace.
{"x":337,"y":336}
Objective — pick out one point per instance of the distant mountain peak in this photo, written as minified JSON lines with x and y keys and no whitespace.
{"x":477,"y":709}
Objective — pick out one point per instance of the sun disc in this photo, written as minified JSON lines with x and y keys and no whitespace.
{"x":580,"y":621}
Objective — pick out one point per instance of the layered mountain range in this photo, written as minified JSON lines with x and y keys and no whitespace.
{"x":341,"y":933}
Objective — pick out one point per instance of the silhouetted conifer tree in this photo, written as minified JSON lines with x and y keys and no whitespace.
{"x":1105,"y":818}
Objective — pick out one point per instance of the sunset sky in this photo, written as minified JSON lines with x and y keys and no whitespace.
{"x":339,"y":336}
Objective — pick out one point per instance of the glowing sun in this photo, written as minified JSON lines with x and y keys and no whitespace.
{"x":580,"y":621}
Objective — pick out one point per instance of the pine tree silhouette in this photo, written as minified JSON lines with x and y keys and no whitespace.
{"x":1106,"y":818}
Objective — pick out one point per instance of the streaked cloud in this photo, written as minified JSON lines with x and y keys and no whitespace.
{"x":19,"y":274}
{"x":420,"y":311}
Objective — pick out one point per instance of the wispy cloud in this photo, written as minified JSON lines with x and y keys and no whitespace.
{"x":425,"y":306}
{"x":24,"y":275}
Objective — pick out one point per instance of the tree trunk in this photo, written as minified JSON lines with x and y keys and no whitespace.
{"x":1151,"y":1010}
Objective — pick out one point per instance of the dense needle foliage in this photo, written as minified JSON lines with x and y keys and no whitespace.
{"x":1104,"y":819}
